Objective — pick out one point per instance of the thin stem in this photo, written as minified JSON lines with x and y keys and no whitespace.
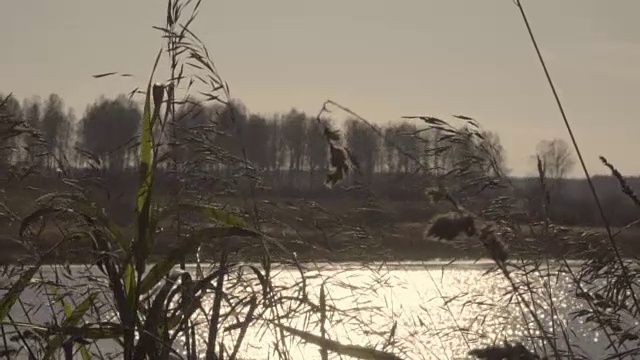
{"x":605,"y":221}
{"x":171,"y":111}
{"x":4,"y":340}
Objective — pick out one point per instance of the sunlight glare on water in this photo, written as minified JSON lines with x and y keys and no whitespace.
{"x":441,"y":312}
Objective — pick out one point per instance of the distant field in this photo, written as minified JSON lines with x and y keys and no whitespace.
{"x":341,"y":230}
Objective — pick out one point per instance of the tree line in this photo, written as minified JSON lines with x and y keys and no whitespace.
{"x":290,"y":147}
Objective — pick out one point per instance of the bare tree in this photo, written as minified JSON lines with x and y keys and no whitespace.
{"x":317,"y":154}
{"x":56,"y":129}
{"x":492,"y":154}
{"x":11,"y":116}
{"x":391,"y":156}
{"x":257,"y":141}
{"x":33,"y":150}
{"x":275,"y":145}
{"x":400,"y":141}
{"x":231,"y":121}
{"x":190,"y":118}
{"x":294,"y":133}
{"x":556,"y":158}
{"x":365,"y":144}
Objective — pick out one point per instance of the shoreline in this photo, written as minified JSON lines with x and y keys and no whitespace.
{"x":439,"y":262}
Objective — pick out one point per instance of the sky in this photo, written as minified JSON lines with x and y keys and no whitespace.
{"x":383,"y":59}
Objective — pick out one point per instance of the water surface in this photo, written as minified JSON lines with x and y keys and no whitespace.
{"x":441,"y":310}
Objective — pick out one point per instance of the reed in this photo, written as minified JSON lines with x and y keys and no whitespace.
{"x":129,"y":302}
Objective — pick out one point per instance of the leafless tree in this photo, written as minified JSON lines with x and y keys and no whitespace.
{"x":556,"y":158}
{"x":364,"y":143}
{"x":294,"y":132}
{"x":11,"y":115}
{"x":56,"y":128}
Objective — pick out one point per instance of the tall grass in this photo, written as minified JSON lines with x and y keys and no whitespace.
{"x":132,"y":304}
{"x":605,"y":283}
{"x":126,"y":303}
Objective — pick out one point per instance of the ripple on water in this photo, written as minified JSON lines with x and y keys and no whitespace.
{"x":440,"y":312}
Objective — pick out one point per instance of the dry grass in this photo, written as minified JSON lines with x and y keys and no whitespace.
{"x":450,"y":225}
{"x":151,"y":307}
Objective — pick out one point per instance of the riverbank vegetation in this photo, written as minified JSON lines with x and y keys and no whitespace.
{"x":135,"y":193}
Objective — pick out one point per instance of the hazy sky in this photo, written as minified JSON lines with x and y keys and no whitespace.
{"x":381,"y":58}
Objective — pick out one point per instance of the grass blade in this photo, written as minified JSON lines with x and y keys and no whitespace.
{"x":355,"y":351}
{"x":158,"y":271}
{"x":142,"y":243}
{"x":212,"y":212}
{"x":10,"y":298}
{"x":71,"y":321}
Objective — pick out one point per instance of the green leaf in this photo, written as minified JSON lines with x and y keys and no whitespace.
{"x":222,"y":216}
{"x":154,"y":326}
{"x":84,"y":353}
{"x":57,"y":297}
{"x":10,"y":298}
{"x":212,"y":212}
{"x":76,"y":315}
{"x":218,"y":234}
{"x":101,"y":332}
{"x":129,"y":280}
{"x":164,"y":266}
{"x":114,"y":230}
{"x":355,"y":351}
{"x":36,"y":216}
{"x":143,"y":242}
{"x":128,"y":310}
{"x":66,"y":307}
{"x":93,"y":331}
{"x":70,"y":321}
{"x":50,"y":197}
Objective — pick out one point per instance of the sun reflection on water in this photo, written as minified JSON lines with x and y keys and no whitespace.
{"x":435,"y":311}
{"x":441,"y":313}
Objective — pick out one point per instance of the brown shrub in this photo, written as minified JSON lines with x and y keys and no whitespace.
{"x":448,"y":226}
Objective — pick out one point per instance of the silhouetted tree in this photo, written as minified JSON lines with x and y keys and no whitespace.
{"x":11,"y":116}
{"x":195,"y":127}
{"x":216,"y":137}
{"x":56,"y":129}
{"x":294,"y":135}
{"x":401,"y":140}
{"x":275,"y":145}
{"x":468,"y":159}
{"x":317,"y":153}
{"x":364,"y":144}
{"x":231,"y":121}
{"x":257,"y":141}
{"x":556,"y":158}
{"x":461,"y":153}
{"x":493,"y":154}
{"x":70,"y":134}
{"x":32,"y":112}
{"x":108,"y":129}
{"x":391,"y":156}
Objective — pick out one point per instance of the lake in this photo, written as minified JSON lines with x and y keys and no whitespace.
{"x":441,"y":310}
